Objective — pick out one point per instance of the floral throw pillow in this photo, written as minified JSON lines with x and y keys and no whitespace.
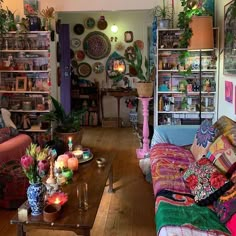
{"x":222,"y":154}
{"x":205,"y":182}
{"x":204,"y":137}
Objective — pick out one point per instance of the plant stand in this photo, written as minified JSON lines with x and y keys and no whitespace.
{"x":141,"y":152}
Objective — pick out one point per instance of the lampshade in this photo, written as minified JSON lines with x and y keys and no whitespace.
{"x":114,"y":28}
{"x":202,"y":29}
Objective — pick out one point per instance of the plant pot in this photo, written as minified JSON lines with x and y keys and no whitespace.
{"x":202,"y":29}
{"x":144,"y":89}
{"x":164,"y":23}
{"x":64,"y":137}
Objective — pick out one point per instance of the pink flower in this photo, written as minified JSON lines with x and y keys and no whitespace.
{"x":43,"y":167}
{"x":27,"y":162}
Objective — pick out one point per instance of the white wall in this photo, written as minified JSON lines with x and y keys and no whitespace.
{"x":225,"y":108}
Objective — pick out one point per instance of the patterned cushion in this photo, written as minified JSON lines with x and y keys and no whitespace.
{"x":222,"y":154}
{"x":225,"y":206}
{"x":5,"y":134}
{"x":2,"y":125}
{"x":224,"y":124}
{"x":204,"y":137}
{"x":206,"y":183}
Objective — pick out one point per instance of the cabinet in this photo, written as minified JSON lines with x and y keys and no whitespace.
{"x":25,"y":79}
{"x":179,"y":98}
{"x":87,"y":96}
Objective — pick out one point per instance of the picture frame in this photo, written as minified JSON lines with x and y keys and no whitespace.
{"x":229,"y":64}
{"x":31,"y":7}
{"x":21,"y":83}
{"x":229,"y":91}
{"x":128,"y":36}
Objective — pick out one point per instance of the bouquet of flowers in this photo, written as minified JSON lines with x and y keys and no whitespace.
{"x":35,"y":163}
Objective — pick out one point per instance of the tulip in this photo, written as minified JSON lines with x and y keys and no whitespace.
{"x":27,"y":162}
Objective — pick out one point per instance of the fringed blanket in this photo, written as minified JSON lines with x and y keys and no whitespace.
{"x":174,"y":209}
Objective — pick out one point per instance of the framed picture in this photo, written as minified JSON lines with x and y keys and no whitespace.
{"x":31,"y":7}
{"x":21,"y":83}
{"x":229,"y":91}
{"x":128,"y":36}
{"x":229,"y":39}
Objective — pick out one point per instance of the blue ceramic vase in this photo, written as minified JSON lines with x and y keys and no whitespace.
{"x":35,"y":194}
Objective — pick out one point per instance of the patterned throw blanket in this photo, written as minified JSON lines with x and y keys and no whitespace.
{"x":174,"y":209}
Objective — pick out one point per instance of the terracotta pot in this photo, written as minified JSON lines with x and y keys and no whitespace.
{"x":144,"y":89}
{"x":64,"y":137}
{"x":202,"y":29}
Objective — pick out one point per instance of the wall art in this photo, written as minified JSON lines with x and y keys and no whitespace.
{"x":229,"y":39}
{"x":21,"y":83}
{"x":31,"y":7}
{"x":128,"y":36}
{"x":229,"y":91}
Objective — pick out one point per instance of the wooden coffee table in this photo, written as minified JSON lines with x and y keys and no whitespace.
{"x":71,"y":219}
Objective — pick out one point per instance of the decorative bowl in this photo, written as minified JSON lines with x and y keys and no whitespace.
{"x":51,"y":212}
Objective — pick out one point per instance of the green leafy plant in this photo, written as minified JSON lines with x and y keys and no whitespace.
{"x":137,"y":63}
{"x":65,"y":123}
{"x":190,"y":8}
{"x":162,"y":12}
{"x":7,"y":21}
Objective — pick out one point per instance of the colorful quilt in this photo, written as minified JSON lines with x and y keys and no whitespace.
{"x":174,"y":209}
{"x":168,"y":162}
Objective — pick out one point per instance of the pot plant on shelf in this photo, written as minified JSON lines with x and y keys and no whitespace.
{"x":163,"y":14}
{"x":193,"y":10}
{"x":65,"y":125}
{"x":145,"y":84}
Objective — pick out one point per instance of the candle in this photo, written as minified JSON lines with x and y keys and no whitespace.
{"x":78,"y":153}
{"x":70,"y":144}
{"x":67,"y":173}
{"x":58,"y":198}
{"x":64,"y":159}
{"x":73,"y":163}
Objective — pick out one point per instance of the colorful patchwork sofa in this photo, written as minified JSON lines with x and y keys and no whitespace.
{"x":194,"y":187}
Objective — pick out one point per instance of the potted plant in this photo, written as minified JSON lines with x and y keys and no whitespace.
{"x":145,"y":84}
{"x":65,"y":125}
{"x":7,"y":21}
{"x":191,"y":9}
{"x":163,"y":14}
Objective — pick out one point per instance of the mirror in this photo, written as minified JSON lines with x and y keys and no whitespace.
{"x":115,"y":67}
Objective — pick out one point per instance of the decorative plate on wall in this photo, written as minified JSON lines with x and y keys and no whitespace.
{"x":102,"y":23}
{"x":96,"y":45}
{"x":80,"y":55}
{"x":89,"y":22}
{"x":84,"y":69}
{"x":98,"y":67}
{"x":75,"y":43}
{"x":78,"y":29}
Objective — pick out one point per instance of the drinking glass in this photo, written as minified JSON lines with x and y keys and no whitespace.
{"x":82,"y":196}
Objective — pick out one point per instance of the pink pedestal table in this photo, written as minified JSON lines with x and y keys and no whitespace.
{"x":145,"y":149}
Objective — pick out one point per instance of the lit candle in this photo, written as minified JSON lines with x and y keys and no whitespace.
{"x":57,"y":201}
{"x":64,"y":159}
{"x":70,"y":144}
{"x":73,"y":163}
{"x":58,"y":198}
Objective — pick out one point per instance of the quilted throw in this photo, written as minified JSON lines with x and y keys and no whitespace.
{"x":174,"y":209}
{"x":167,"y":165}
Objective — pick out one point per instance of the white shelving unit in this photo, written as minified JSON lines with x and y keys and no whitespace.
{"x":169,"y":98}
{"x":25,"y":77}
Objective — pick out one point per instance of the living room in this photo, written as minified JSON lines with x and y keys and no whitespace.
{"x":105,"y":8}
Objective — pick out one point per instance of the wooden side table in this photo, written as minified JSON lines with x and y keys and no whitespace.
{"x":118,"y":94}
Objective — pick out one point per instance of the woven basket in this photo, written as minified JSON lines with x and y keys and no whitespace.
{"x":144,"y":89}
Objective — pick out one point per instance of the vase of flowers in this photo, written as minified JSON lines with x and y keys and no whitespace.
{"x":35,"y":164}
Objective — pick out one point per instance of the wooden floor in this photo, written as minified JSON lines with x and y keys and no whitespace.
{"x":127,"y":212}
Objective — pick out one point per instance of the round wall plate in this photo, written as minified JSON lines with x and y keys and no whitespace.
{"x":84,"y":69}
{"x":89,"y":22}
{"x":78,"y":29}
{"x":75,"y":43}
